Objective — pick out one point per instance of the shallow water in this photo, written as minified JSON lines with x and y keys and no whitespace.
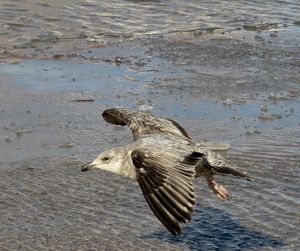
{"x":37,"y":25}
{"x":241,"y":87}
{"x":109,"y":80}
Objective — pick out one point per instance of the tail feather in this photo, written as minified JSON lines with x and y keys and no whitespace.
{"x":228,"y":170}
{"x":218,"y":165}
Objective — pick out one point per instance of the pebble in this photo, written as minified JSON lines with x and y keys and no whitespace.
{"x":264,"y":116}
{"x":8,"y":139}
{"x":66,"y":145}
{"x":145,"y":108}
{"x":264,"y":108}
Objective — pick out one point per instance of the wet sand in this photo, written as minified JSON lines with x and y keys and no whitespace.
{"x":235,"y":86}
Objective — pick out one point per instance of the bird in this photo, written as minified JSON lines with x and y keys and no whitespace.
{"x":164,"y":160}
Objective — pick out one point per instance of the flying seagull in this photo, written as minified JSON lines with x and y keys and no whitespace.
{"x":164,"y":160}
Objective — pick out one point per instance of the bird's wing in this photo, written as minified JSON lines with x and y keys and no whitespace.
{"x":142,"y":123}
{"x":166,"y":179}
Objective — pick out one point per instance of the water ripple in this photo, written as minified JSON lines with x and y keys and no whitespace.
{"x":100,"y":20}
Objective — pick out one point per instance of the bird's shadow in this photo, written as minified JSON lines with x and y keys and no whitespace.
{"x":215,"y":229}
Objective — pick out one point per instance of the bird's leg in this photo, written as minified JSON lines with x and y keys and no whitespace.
{"x":218,"y":189}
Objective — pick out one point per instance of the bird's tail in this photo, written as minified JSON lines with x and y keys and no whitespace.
{"x":229,"y":170}
{"x":218,"y":165}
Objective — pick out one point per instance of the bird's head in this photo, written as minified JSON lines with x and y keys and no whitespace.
{"x":110,"y":160}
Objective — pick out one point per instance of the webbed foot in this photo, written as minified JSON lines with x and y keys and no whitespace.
{"x":218,"y":189}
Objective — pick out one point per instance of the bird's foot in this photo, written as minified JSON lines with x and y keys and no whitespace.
{"x":218,"y":189}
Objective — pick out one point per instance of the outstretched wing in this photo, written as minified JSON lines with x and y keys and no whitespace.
{"x":143,"y":123}
{"x":166,"y":180}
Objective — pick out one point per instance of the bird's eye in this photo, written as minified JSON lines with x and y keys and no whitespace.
{"x":105,"y":158}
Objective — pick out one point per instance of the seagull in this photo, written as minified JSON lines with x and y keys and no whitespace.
{"x":164,"y":160}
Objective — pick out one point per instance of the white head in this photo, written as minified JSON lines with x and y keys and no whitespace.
{"x":110,"y":160}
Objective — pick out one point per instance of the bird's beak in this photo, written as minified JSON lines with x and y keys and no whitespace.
{"x":86,"y":167}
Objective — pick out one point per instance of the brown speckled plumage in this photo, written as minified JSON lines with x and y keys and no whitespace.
{"x":164,"y":160}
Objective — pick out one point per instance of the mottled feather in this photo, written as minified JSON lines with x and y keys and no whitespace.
{"x":165,"y":161}
{"x":218,"y":165}
{"x":142,"y":123}
{"x":166,"y":180}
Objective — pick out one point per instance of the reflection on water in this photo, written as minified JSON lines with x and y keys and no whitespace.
{"x":119,"y":80}
{"x":60,"y":76}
